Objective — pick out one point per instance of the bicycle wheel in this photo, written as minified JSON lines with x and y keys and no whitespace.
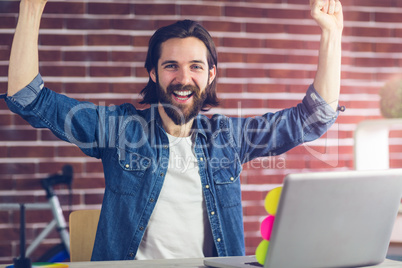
{"x":57,"y":253}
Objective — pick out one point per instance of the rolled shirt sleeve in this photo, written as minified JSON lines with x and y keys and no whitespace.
{"x":27,"y":95}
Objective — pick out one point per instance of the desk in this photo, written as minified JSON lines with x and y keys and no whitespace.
{"x":187,"y":263}
{"x":184,"y":263}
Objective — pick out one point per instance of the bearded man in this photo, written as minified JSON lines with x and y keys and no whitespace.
{"x":172,"y":174}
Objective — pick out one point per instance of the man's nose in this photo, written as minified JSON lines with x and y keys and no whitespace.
{"x":183,"y":77}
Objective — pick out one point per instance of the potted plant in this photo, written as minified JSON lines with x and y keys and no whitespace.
{"x":391,"y":98}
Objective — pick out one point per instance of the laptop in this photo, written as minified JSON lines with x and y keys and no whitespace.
{"x":330,"y":219}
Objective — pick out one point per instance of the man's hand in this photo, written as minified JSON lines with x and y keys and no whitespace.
{"x":328,"y":14}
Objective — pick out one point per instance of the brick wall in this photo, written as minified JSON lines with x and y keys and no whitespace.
{"x":94,"y":50}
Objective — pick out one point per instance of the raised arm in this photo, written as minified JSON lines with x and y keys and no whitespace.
{"x":329,"y":16}
{"x":24,"y":59}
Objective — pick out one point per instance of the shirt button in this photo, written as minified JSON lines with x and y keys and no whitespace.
{"x":131,"y":254}
{"x":207,"y":186}
{"x":165,"y":146}
{"x":218,"y":240}
{"x":162,"y":174}
{"x":201,"y":159}
{"x":151,"y":200}
{"x":127,"y":166}
{"x":231,"y":178}
{"x":213,"y":213}
{"x":141,"y":228}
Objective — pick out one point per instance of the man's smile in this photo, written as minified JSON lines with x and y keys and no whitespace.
{"x":182,"y":95}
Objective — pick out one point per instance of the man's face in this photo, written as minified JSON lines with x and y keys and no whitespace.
{"x":182,"y":78}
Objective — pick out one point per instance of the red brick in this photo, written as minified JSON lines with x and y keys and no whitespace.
{"x":83,"y":23}
{"x":284,"y":73}
{"x":10,"y":233}
{"x":154,"y":9}
{"x":394,"y":17}
{"x":17,"y":168}
{"x":3,"y":70}
{"x":83,"y":56}
{"x":372,"y":32}
{"x":4,"y":52}
{"x":248,"y":72}
{"x":198,"y":10}
{"x":375,"y":3}
{"x":357,"y":16}
{"x":303,"y":29}
{"x":89,"y":183}
{"x":388,"y":47}
{"x":265,"y":88}
{"x":132,"y":24}
{"x":51,"y":23}
{"x":66,"y":71}
{"x":8,"y":7}
{"x":8,"y":22}
{"x":141,"y":41}
{"x":372,"y":62}
{"x":265,"y":28}
{"x":65,"y":8}
{"x":108,"y":71}
{"x":6,"y":39}
{"x":247,"y":12}
{"x":93,"y":199}
{"x":231,"y":88}
{"x":127,"y":87}
{"x":92,"y":88}
{"x":222,"y":26}
{"x":6,"y":250}
{"x":109,"y":40}
{"x":265,"y":58}
{"x":50,"y":55}
{"x":61,"y":40}
{"x":253,"y":195}
{"x":18,"y":135}
{"x":31,"y":152}
{"x":129,"y":56}
{"x":141,"y":72}
{"x":287,"y":13}
{"x":109,"y":8}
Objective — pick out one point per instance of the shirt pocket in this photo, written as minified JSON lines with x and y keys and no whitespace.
{"x":227,"y":184}
{"x":131,"y":171}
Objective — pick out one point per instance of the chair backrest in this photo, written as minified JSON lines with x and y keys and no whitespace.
{"x":371,"y":143}
{"x":83,"y":225}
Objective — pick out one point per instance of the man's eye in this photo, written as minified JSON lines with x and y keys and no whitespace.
{"x":197,"y":67}
{"x":170,"y":66}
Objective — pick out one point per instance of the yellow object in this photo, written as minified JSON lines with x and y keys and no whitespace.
{"x":272,"y":200}
{"x":261,"y":251}
{"x":83,"y":225}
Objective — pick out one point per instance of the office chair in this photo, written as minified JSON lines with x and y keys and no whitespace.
{"x":83,"y":225}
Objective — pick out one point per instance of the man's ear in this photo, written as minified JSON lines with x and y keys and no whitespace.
{"x":152,"y":74}
{"x":212,"y":74}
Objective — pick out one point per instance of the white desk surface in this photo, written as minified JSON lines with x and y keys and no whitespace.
{"x":188,"y":263}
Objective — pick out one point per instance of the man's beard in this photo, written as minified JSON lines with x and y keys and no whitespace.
{"x":179,"y":113}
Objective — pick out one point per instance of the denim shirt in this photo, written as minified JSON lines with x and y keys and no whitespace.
{"x":134,"y":150}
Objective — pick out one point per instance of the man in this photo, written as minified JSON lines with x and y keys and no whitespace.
{"x":172,"y":175}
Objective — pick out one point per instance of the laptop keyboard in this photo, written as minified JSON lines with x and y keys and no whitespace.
{"x":254,"y":263}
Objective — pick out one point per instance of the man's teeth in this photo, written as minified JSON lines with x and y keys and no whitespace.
{"x":183,"y":92}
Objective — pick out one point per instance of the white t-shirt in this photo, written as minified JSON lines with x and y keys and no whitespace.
{"x":179,"y":226}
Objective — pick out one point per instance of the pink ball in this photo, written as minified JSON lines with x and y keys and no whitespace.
{"x":266,"y":227}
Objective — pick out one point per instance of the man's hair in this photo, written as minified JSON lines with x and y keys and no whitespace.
{"x":180,"y":29}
